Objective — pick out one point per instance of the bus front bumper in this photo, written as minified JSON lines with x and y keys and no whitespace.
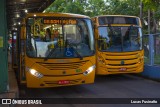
{"x":103,"y":70}
{"x":57,"y":81}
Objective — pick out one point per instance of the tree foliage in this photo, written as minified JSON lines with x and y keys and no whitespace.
{"x":104,"y":7}
{"x":126,"y":7}
{"x":151,"y":4}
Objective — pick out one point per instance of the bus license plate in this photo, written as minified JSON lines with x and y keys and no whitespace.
{"x":122,"y":69}
{"x":61,"y":82}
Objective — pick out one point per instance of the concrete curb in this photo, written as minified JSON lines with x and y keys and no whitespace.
{"x":152,"y":72}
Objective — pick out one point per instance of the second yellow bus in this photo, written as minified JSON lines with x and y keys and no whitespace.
{"x":118,"y":44}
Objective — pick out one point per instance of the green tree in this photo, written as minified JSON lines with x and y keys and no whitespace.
{"x":67,"y":6}
{"x":124,"y":7}
{"x":153,"y":6}
{"x":105,"y":7}
{"x":86,"y":7}
{"x":95,"y":7}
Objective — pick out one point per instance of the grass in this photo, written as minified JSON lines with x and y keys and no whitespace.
{"x":156,"y":60}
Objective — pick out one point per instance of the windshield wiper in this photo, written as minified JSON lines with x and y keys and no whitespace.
{"x":50,"y":53}
{"x":71,"y":46}
{"x":130,"y":28}
{"x":110,"y":27}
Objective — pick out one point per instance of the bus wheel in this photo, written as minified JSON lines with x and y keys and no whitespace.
{"x":23,"y":90}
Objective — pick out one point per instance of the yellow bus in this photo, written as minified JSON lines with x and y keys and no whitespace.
{"x":56,"y":49}
{"x":118,"y":44}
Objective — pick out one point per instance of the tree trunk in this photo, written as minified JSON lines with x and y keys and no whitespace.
{"x":154,"y":28}
{"x":149,"y":20}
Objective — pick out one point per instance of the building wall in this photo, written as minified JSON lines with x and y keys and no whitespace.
{"x":3,"y":48}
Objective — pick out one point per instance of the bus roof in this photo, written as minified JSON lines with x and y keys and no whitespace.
{"x":56,"y":15}
{"x":117,"y":19}
{"x":115,"y":16}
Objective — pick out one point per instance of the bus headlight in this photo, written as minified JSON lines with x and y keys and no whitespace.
{"x":35,"y":73}
{"x":89,"y":70}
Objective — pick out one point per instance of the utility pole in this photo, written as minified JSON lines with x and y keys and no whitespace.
{"x":141,"y":8}
{"x":149,"y":21}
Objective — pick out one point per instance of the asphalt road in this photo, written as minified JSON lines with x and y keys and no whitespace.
{"x":110,"y":86}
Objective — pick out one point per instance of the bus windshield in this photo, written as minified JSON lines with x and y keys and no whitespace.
{"x":52,"y":37}
{"x":120,"y":38}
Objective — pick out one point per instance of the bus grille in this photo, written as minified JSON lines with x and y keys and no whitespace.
{"x":116,"y":62}
{"x":62,"y":66}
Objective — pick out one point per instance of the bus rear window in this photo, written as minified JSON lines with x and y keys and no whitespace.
{"x":118,"y":20}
